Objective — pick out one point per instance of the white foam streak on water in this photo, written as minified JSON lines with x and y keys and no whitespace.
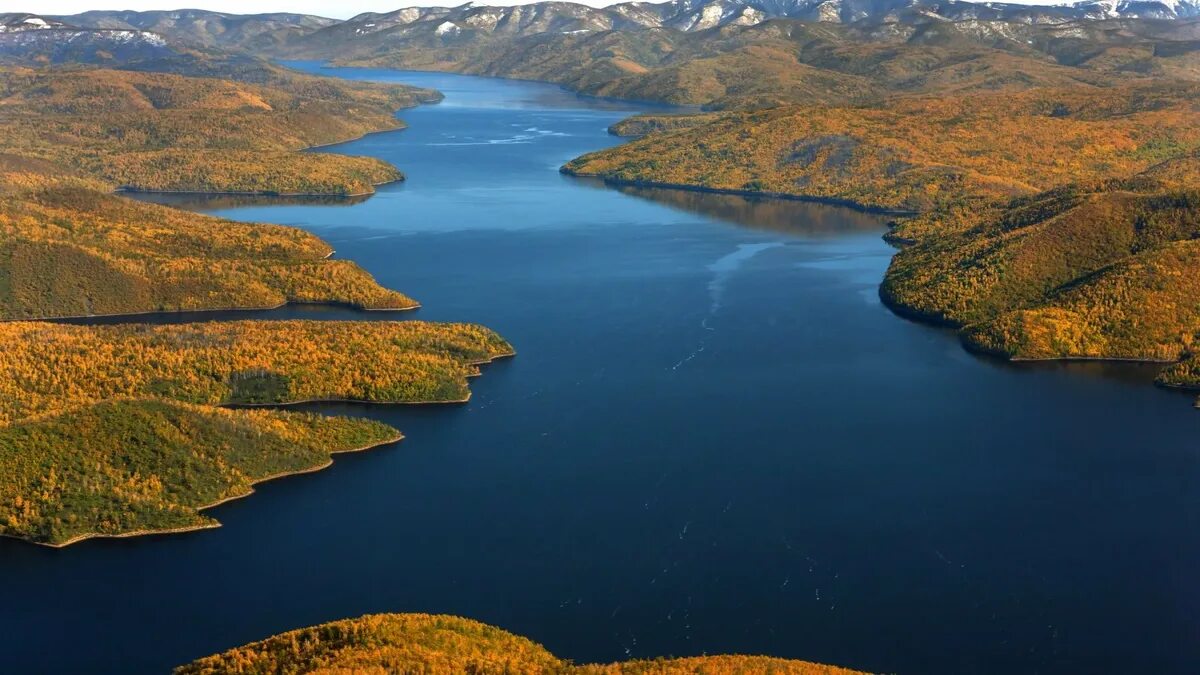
{"x":519,"y":139}
{"x":723,"y":270}
{"x":726,"y":266}
{"x":532,"y":134}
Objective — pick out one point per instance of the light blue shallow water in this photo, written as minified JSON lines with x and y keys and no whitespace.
{"x":714,"y":439}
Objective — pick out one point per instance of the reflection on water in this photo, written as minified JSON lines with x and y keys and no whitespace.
{"x":291,"y":311}
{"x":715,"y":439}
{"x":1122,"y":371}
{"x":726,"y":266}
{"x":202,"y":202}
{"x":472,"y":91}
{"x":760,"y":213}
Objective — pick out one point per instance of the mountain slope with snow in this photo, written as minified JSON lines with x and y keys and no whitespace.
{"x":202,"y":28}
{"x":28,"y":38}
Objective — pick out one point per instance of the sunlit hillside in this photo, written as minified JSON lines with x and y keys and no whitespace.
{"x":445,"y":645}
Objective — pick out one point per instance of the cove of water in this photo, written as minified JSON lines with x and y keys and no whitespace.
{"x":713,"y":439}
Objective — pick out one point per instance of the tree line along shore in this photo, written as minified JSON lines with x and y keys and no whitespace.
{"x":124,"y":430}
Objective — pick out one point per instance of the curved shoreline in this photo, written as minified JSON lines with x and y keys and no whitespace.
{"x":213,"y":525}
{"x":1085,"y":359}
{"x":403,"y":125}
{"x":913,"y":314}
{"x":940,"y":321}
{"x":312,"y":469}
{"x":832,"y":201}
{"x":895,"y":306}
{"x":638,"y":102}
{"x":169,"y":312}
{"x":267,"y":193}
{"x":359,"y":401}
{"x":400,"y":125}
{"x":891,"y":303}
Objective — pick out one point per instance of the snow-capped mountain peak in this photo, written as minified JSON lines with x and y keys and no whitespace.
{"x":13,"y":23}
{"x":1139,"y":9}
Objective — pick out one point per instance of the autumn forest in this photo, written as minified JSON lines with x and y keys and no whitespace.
{"x":1038,"y":168}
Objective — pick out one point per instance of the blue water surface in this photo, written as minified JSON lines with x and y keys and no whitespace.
{"x":714,"y":438}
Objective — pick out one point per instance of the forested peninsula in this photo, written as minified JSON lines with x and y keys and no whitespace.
{"x":72,"y":133}
{"x":158,"y":131}
{"x":114,"y":430}
{"x":67,"y":250}
{"x":124,"y":430}
{"x":1052,"y":223}
{"x":1040,"y":160}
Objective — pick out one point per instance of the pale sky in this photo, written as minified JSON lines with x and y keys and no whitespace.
{"x":337,"y":9}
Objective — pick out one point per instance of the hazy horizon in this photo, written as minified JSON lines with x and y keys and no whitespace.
{"x":325,"y":8}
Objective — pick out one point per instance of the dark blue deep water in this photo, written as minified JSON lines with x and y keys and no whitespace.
{"x":714,"y":439}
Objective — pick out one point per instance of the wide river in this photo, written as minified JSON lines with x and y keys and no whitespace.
{"x":714,"y":438}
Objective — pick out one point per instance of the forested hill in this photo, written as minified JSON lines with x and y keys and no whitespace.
{"x":119,"y":431}
{"x":199,"y":134}
{"x":784,"y":60}
{"x":449,"y":645}
{"x":721,"y":54}
{"x":914,"y":153}
{"x":114,"y":431}
{"x":1055,"y":223}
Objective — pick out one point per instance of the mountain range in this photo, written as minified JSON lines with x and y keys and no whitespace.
{"x":199,"y":27}
{"x":35,"y":39}
{"x":695,"y":15}
{"x":714,"y":53}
